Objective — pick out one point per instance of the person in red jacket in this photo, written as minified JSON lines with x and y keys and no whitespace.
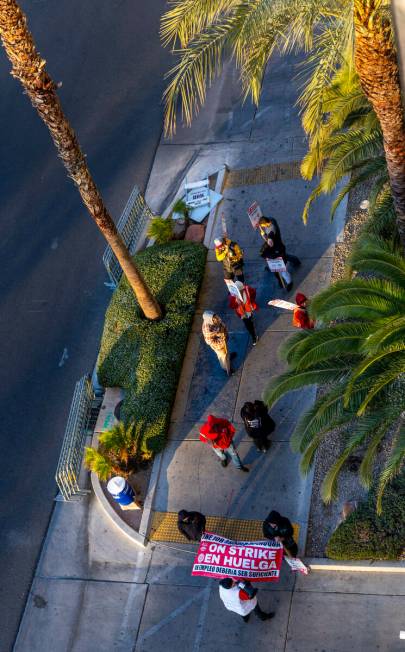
{"x":301,"y":318}
{"x":219,"y":434}
{"x":245,"y":307}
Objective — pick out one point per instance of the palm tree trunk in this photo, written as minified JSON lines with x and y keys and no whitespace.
{"x":29,"y":68}
{"x":377,"y":66}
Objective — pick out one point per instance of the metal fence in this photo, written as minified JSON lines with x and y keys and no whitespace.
{"x":71,"y":456}
{"x":131,"y":226}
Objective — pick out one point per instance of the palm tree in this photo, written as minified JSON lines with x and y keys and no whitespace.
{"x":332,"y":31}
{"x":29,"y":68}
{"x":347,"y":142}
{"x":358,"y":356}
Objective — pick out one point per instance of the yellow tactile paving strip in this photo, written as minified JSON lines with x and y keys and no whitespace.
{"x":263,"y":174}
{"x":164,"y":528}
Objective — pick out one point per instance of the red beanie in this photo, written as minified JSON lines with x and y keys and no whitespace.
{"x":300,"y":298}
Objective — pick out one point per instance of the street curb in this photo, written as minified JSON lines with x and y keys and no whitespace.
{"x":113,"y":516}
{"x":219,"y":186}
{"x":358,"y":566}
{"x":150,"y":495}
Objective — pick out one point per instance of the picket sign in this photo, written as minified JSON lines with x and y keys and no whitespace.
{"x":258,"y":561}
{"x":233,"y":290}
{"x":297,"y":565}
{"x":280,"y":303}
{"x":255,"y":213}
{"x":276,"y":264}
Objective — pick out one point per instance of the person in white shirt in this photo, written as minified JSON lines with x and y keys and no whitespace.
{"x":240,"y":597}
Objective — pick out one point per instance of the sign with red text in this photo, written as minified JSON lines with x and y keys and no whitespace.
{"x":255,"y":213}
{"x":258,"y":561}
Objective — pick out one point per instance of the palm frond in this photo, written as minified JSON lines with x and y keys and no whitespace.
{"x":329,"y":487}
{"x":395,"y":462}
{"x":186,"y":18}
{"x":369,"y":169}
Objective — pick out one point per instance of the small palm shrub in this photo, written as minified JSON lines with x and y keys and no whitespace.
{"x":119,"y":452}
{"x":161,"y":229}
{"x":181,"y":208}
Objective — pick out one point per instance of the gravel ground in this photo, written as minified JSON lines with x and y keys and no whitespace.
{"x":323,"y":518}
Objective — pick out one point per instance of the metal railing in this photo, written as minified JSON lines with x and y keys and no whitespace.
{"x":131,"y":226}
{"x":71,"y":456}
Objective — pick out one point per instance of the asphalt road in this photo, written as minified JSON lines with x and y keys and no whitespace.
{"x":108,"y":57}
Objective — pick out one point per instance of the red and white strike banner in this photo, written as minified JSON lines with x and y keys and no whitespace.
{"x":259,"y":561}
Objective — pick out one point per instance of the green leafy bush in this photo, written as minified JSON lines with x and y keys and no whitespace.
{"x":365,"y":535}
{"x":144,"y":357}
{"x":119,"y":452}
{"x":161,"y":229}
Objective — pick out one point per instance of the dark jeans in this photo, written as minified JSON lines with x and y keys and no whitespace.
{"x":261,"y":442}
{"x":259,"y":613}
{"x":250,"y":327}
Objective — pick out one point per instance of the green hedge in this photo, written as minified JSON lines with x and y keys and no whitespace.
{"x":364,"y":535}
{"x":143,"y":357}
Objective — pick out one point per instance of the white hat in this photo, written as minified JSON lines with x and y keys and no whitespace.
{"x":217,"y":242}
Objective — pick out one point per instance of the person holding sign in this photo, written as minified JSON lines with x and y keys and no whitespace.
{"x":230,"y":255}
{"x":258,"y":423}
{"x":219,"y":434}
{"x":269,"y":228}
{"x":244,"y":305}
{"x":280,"y":528}
{"x":240,"y":597}
{"x":301,"y":319}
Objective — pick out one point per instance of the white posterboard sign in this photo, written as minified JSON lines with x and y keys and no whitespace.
{"x":280,"y":303}
{"x":297,"y":565}
{"x":233,"y":290}
{"x":276,"y":264}
{"x":255,"y":213}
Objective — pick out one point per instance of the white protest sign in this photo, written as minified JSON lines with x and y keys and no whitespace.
{"x":255,"y":213}
{"x":276,"y":264}
{"x":297,"y":565}
{"x":259,"y":561}
{"x":233,"y":290}
{"x":280,"y":303}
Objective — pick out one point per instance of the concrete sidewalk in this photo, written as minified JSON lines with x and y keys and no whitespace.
{"x":94,"y":590}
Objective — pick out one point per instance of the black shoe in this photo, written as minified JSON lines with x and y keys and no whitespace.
{"x":224,"y":463}
{"x":246,"y":618}
{"x":244,"y":469}
{"x":289,"y":286}
{"x":255,"y":341}
{"x":269,"y":615}
{"x":233,"y":355}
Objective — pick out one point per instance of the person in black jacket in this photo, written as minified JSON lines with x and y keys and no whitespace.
{"x":274,"y":247}
{"x":279,"y":527}
{"x":258,"y":423}
{"x":191,"y":524}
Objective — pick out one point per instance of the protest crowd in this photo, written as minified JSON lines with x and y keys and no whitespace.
{"x":236,"y":563}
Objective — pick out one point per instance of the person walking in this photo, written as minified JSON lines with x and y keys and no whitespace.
{"x":240,"y":597}
{"x":301,"y":319}
{"x":258,"y":423}
{"x":216,"y":336}
{"x":244,"y":305}
{"x":219,"y":434}
{"x":230,"y":255}
{"x":191,"y":524}
{"x":280,"y":528}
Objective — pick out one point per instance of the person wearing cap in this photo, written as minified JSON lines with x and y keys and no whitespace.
{"x":240,"y":597}
{"x":191,"y":524}
{"x":280,"y":528}
{"x":230,"y":255}
{"x":215,"y":334}
{"x":269,"y":228}
{"x":301,"y":319}
{"x":244,"y":305}
{"x":219,"y":433}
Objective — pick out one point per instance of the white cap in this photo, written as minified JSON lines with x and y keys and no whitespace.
{"x":217,"y":242}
